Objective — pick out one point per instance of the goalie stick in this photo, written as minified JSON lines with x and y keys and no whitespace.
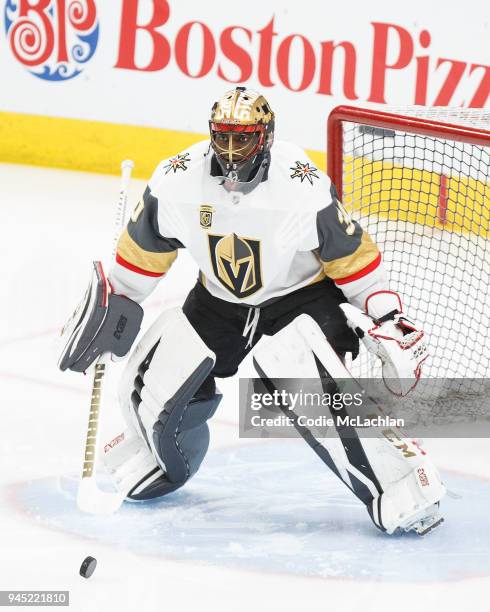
{"x":90,"y":498}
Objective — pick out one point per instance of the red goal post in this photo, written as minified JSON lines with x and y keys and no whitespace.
{"x":418,"y":180}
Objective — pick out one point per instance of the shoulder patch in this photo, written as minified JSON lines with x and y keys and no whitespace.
{"x":177,"y":163}
{"x":304,"y":171}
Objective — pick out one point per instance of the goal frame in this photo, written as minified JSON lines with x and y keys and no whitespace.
{"x":340,"y":146}
{"x":385,"y":120}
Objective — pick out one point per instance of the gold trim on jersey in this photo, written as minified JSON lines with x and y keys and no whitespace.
{"x":342,"y":267}
{"x":131,"y":252}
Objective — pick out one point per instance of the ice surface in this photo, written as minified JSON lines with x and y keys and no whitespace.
{"x":263,"y":525}
{"x":287,"y":515}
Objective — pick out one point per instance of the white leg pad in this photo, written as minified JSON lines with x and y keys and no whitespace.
{"x":407,"y":500}
{"x":397,"y":462}
{"x":130,"y":463}
{"x":179,"y":352}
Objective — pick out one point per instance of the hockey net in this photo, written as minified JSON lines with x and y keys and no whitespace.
{"x":418,"y":180}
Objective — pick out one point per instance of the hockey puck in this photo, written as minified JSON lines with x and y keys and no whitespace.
{"x":88,"y":567}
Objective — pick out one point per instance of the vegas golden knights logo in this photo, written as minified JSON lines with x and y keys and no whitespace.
{"x":206,"y":215}
{"x":236,"y":263}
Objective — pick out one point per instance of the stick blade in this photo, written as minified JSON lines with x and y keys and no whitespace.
{"x":91,"y":500}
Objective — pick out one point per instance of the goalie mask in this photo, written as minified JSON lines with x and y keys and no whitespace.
{"x":242,"y":132}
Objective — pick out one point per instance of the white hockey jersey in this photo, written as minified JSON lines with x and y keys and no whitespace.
{"x":288,"y":232}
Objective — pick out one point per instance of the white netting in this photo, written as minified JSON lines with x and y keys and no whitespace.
{"x":426,"y":202}
{"x":468,"y":117}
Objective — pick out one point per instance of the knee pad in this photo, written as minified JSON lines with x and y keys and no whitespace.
{"x":181,"y":437}
{"x":162,"y":398}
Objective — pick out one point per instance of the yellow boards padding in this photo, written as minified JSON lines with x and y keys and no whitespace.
{"x":93,"y":146}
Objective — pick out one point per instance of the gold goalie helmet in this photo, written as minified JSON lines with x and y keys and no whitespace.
{"x":242,"y":132}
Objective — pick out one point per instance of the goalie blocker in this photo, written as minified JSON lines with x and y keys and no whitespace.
{"x":102,"y":322}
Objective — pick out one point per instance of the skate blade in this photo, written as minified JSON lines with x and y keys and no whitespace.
{"x":424,"y":525}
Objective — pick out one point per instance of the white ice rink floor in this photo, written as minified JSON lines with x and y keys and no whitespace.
{"x":262,"y":526}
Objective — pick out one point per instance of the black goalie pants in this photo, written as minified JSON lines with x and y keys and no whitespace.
{"x":221,"y":324}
